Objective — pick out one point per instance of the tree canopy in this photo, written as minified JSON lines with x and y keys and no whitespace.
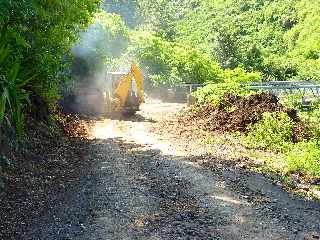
{"x":279,"y":38}
{"x":35,"y":42}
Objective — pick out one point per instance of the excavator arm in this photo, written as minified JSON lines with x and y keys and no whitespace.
{"x":139,"y":81}
{"x":124,"y":87}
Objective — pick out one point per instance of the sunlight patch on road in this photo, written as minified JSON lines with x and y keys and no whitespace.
{"x":140,"y":135}
{"x":132,"y":132}
{"x":227,"y":199}
{"x":105,"y":130}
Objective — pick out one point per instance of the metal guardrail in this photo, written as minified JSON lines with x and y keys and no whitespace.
{"x":286,"y":87}
{"x":279,"y":88}
{"x":181,"y":93}
{"x":281,"y":83}
{"x":274,"y":86}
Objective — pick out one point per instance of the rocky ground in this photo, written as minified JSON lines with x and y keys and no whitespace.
{"x":125,"y":179}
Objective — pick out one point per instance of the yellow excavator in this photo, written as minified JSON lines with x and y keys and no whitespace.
{"x":124,"y":92}
{"x":120,"y":93}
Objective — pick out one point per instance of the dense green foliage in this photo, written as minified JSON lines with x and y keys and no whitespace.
{"x":35,"y":42}
{"x":127,"y":9}
{"x":13,"y":95}
{"x":230,"y":82}
{"x":170,"y":63}
{"x":279,"y":38}
{"x":275,"y":132}
{"x":219,"y":43}
{"x":304,"y":157}
{"x":163,"y":16}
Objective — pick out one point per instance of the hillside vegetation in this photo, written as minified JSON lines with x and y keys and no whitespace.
{"x":195,"y":41}
{"x":226,"y":43}
{"x":35,"y":42}
{"x":279,"y":38}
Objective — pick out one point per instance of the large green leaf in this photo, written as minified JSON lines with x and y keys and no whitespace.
{"x":3,"y":102}
{"x":23,"y":97}
{"x":24,"y":80}
{"x":18,"y":118}
{"x":13,"y":33}
{"x":13,"y":74}
{"x":4,"y":53}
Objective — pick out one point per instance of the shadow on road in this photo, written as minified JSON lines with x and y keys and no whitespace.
{"x":121,"y":190}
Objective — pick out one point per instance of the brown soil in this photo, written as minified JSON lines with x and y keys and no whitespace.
{"x":236,"y":113}
{"x":48,"y":163}
{"x":301,"y":132}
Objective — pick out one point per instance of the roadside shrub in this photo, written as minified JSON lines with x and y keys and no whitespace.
{"x":304,"y":157}
{"x":13,"y":97}
{"x":292,"y":101}
{"x":240,"y":75}
{"x":274,"y":131}
{"x":312,"y":119}
{"x":35,"y":42}
{"x":313,"y":115}
{"x":214,"y":93}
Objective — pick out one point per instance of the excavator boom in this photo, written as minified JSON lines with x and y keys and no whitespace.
{"x":139,"y":81}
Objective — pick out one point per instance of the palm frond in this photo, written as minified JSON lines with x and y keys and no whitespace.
{"x":14,"y":71}
{"x":3,"y":103}
{"x":4,"y":53}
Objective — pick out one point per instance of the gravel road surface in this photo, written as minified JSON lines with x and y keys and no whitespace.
{"x":139,"y":186}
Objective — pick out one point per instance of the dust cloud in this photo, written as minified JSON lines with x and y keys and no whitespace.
{"x":95,"y":54}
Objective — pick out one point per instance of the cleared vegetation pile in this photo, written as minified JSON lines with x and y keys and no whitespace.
{"x":235,"y":113}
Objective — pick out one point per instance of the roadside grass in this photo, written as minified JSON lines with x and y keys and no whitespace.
{"x":274,"y":131}
{"x":287,"y":168}
{"x":305,"y":157}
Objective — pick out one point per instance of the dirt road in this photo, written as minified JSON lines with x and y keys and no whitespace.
{"x":142,"y":186}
